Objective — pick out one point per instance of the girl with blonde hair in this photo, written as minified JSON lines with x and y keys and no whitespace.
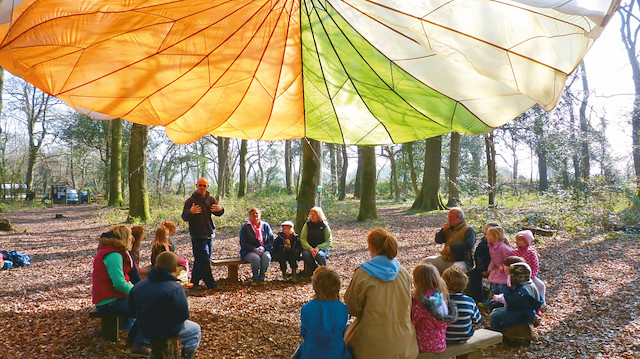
{"x":110,"y":282}
{"x":499,"y":249}
{"x":430,"y":311}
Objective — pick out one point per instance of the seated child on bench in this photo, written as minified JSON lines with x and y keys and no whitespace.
{"x":324,"y":319}
{"x":468,"y":313}
{"x":161,"y":308}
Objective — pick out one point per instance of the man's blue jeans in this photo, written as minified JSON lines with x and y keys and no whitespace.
{"x":259,"y":264}
{"x":189,"y":336}
{"x":202,"y":254}
{"x":312,"y":263}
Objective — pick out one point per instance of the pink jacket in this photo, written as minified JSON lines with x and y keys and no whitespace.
{"x":431,"y":332}
{"x":529,"y":254}
{"x":498,"y":251}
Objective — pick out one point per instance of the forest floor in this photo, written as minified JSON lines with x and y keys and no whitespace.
{"x":593,"y":290}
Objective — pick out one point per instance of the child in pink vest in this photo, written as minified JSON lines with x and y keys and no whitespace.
{"x":524,"y":239}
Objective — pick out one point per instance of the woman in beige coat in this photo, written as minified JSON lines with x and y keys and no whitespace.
{"x":379,"y":296}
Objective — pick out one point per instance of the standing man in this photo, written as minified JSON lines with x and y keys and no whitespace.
{"x":458,"y":238}
{"x":197,"y":211}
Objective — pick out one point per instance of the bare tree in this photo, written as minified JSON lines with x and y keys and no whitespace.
{"x":629,"y":32}
{"x":35,"y":109}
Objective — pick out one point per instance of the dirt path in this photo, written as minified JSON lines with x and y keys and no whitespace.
{"x":593,"y":291}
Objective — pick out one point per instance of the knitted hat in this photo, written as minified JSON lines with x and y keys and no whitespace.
{"x":519,"y":272}
{"x":287,"y":223}
{"x":527,"y":235}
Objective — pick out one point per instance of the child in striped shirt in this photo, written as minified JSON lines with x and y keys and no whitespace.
{"x":468,"y":313}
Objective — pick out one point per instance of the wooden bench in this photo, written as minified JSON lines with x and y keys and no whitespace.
{"x":110,"y":324}
{"x":164,"y":348}
{"x":232,"y":266}
{"x":471,"y":349}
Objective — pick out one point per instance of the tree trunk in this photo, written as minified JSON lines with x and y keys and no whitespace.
{"x":454,"y":167}
{"x":584,"y":129}
{"x":368,"y":208}
{"x":541,"y":153}
{"x":629,"y":38}
{"x":428,"y":198}
{"x":490,"y":150}
{"x":333,"y":184}
{"x":3,"y":146}
{"x":311,"y":172}
{"x":412,"y":170}
{"x":138,"y":199}
{"x":357,"y":187}
{"x":287,"y":166}
{"x":242,"y":184}
{"x":342,"y":184}
{"x":395,"y":188}
{"x":115,"y":173}
{"x":222,"y":166}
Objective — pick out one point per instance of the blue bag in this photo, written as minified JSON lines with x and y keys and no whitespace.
{"x":19,"y":259}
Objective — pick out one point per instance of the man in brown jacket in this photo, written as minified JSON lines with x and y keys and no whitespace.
{"x":459,"y":239}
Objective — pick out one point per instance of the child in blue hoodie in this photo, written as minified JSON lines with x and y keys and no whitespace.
{"x":324,"y":319}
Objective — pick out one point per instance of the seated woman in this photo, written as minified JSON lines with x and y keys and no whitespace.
{"x":110,"y":281}
{"x":315,"y":239}
{"x":379,"y":296}
{"x":256,"y":243}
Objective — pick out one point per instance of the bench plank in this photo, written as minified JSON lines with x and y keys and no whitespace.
{"x":482,"y":338}
{"x":232,"y":265}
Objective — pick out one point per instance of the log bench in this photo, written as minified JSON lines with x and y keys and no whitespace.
{"x":164,"y":348}
{"x":232,"y":265}
{"x":471,"y":349}
{"x":110,"y":324}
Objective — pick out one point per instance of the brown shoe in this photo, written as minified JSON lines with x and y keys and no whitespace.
{"x":140,"y":349}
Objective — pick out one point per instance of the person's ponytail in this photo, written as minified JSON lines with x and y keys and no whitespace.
{"x":383,"y":242}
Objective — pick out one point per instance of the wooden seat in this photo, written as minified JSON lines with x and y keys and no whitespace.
{"x":164,"y":348}
{"x":110,"y":324}
{"x":232,"y":265}
{"x":471,"y":349}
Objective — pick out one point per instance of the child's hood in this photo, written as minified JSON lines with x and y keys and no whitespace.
{"x":527,"y":235}
{"x":108,"y":239}
{"x":382,"y":267}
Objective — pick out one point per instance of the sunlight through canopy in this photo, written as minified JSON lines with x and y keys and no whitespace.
{"x":354,"y":72}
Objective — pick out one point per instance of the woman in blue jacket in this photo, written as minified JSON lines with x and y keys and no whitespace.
{"x":256,"y":243}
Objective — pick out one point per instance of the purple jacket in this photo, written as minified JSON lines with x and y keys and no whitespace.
{"x":498,"y":251}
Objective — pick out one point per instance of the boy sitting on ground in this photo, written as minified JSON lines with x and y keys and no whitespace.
{"x":161,"y":308}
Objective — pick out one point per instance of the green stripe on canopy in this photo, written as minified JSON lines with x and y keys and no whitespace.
{"x":354,"y":94}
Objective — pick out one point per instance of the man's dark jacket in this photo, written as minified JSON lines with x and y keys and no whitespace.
{"x":200,"y":225}
{"x":159,"y":304}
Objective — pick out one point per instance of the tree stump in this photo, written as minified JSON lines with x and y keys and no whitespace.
{"x":5,"y":225}
{"x":164,"y":348}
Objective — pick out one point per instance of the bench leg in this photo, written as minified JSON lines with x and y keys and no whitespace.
{"x":164,"y":348}
{"x":473,"y":355}
{"x":110,"y":328}
{"x":233,"y":273}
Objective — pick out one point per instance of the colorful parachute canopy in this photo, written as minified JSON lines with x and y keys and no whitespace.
{"x":353,"y":71}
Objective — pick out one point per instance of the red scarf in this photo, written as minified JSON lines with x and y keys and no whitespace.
{"x":258,"y":230}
